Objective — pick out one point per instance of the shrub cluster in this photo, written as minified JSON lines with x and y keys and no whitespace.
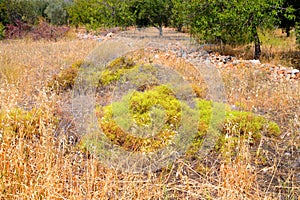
{"x":153,"y":106}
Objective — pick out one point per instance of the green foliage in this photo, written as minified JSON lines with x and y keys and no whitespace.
{"x":87,"y":12}
{"x":248,"y":124}
{"x":152,"y":13}
{"x":3,"y":12}
{"x":27,"y":11}
{"x":232,"y":21}
{"x":19,"y":123}
{"x":154,"y":114}
{"x":2,"y":31}
{"x":115,"y":70}
{"x":140,"y":114}
{"x":96,"y":14}
{"x":237,"y":125}
{"x":290,"y":15}
{"x":180,"y":13}
{"x":65,"y":80}
{"x":56,"y":12}
{"x":121,"y":13}
{"x":117,"y":13}
{"x":148,"y":118}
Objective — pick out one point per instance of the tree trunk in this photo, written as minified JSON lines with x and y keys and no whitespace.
{"x":179,"y":27}
{"x":257,"y":50}
{"x":287,"y":30}
{"x":160,"y":31}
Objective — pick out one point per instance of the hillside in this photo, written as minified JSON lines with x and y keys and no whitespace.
{"x":48,"y":150}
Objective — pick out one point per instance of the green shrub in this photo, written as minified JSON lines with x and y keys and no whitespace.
{"x":88,"y":13}
{"x":2,"y":31}
{"x":56,"y":12}
{"x":115,"y":121}
{"x":23,"y":10}
{"x":115,"y":70}
{"x":65,"y":80}
{"x":19,"y":123}
{"x":141,"y":104}
{"x":159,"y":103}
{"x":237,"y":126}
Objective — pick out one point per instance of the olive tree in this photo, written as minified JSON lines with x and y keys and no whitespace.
{"x":233,"y":22}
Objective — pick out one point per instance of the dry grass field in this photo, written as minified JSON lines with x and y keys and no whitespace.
{"x":37,"y":160}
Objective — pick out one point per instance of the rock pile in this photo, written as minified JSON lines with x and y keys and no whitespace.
{"x":229,"y":62}
{"x":276,"y":72}
{"x":279,"y":72}
{"x":99,"y":38}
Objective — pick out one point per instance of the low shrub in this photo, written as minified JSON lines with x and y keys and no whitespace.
{"x":46,"y":31}
{"x":115,"y":70}
{"x":20,"y":123}
{"x":154,"y":113}
{"x":236,"y":126}
{"x":18,"y":30}
{"x":65,"y":80}
{"x":128,"y":130}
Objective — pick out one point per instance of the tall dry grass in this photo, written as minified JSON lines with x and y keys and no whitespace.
{"x":50,"y":167}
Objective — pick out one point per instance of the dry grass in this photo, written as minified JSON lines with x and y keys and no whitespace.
{"x":50,"y":167}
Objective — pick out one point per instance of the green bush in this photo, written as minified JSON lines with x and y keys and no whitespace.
{"x":19,"y":123}
{"x":2,"y":31}
{"x":237,"y":126}
{"x":65,"y":80}
{"x":88,"y":13}
{"x":142,"y":104}
{"x":56,"y":12}
{"x":115,"y":70}
{"x":115,"y":121}
{"x":22,"y":10}
{"x":160,"y":103}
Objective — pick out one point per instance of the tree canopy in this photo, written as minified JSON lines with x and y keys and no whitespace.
{"x":289,"y":15}
{"x":155,"y":13}
{"x":212,"y":21}
{"x":233,"y":22}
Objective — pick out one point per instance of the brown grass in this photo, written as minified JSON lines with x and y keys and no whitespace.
{"x":52,"y":168}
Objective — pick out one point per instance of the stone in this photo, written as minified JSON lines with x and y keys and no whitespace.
{"x":295,"y":71}
{"x":256,"y":62}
